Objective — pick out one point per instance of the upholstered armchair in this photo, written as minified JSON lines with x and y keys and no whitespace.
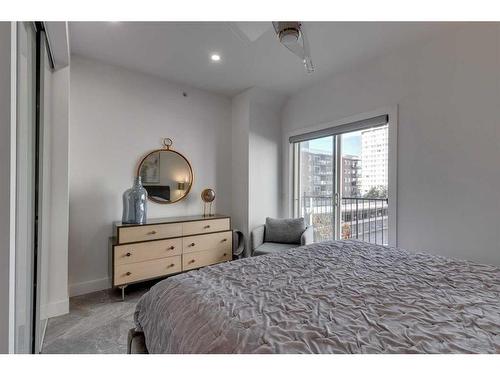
{"x":279,"y":234}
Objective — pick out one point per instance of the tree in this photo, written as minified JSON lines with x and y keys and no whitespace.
{"x":379,"y":191}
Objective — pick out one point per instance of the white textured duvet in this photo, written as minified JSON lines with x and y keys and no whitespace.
{"x":332,"y":297}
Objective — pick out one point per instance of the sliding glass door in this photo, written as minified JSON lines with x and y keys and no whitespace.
{"x":364,"y":185}
{"x":316,"y":185}
{"x":341,"y":181}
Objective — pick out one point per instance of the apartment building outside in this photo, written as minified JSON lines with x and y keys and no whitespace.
{"x":374,"y":158}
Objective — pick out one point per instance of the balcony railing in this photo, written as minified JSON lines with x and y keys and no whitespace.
{"x":365,"y":219}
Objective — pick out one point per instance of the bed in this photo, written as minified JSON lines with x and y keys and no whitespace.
{"x":331,"y":297}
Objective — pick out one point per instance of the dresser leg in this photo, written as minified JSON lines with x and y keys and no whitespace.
{"x":123,"y":291}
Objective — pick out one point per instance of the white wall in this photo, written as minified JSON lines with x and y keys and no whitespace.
{"x":240,"y":119}
{"x":265,"y":163}
{"x":57,"y":283}
{"x":117,"y":116}
{"x":448,"y":93}
{"x":6,"y":220}
{"x":256,"y":155}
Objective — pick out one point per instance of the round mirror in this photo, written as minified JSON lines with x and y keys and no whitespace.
{"x":166,"y":175}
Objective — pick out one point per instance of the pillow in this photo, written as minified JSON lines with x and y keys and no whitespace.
{"x":284,"y":230}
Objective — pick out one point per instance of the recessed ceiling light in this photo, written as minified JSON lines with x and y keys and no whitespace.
{"x":215,"y":57}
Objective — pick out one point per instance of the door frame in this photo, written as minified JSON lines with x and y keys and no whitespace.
{"x":43,"y":57}
{"x":288,"y":162}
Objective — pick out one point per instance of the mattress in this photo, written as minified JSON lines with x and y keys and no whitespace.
{"x":331,"y":297}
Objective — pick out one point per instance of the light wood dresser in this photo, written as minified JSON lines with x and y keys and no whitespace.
{"x":163,"y":247}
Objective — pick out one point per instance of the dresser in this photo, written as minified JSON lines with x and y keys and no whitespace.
{"x":167,"y":246}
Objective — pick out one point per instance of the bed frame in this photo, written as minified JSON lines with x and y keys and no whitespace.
{"x":136,"y":342}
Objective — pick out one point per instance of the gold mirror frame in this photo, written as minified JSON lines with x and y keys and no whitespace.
{"x":167,"y":147}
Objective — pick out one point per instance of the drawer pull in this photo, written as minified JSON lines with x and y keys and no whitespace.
{"x":224,"y":240}
{"x":171,"y":248}
{"x":152,"y":232}
{"x":224,"y":254}
{"x":191,"y":261}
{"x":128,"y":273}
{"x":192,"y":244}
{"x":128,"y":254}
{"x":206,"y":227}
{"x":170,"y":265}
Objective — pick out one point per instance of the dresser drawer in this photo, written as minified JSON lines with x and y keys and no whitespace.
{"x":129,"y":273}
{"x":139,"y":252}
{"x":204,"y":258}
{"x":213,"y":241}
{"x":149,"y":232}
{"x":205,"y":226}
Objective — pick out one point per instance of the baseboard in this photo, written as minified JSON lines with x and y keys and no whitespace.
{"x":57,"y":308}
{"x":90,"y":286}
{"x":53,"y":309}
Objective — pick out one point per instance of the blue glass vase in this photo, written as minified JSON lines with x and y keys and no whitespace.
{"x":134,"y":203}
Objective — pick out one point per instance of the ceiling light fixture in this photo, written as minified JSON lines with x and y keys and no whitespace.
{"x":215,"y":57}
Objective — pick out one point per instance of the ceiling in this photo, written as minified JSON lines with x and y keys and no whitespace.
{"x":180,"y":52}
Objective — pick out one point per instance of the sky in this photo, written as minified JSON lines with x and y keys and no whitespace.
{"x":351,"y":143}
